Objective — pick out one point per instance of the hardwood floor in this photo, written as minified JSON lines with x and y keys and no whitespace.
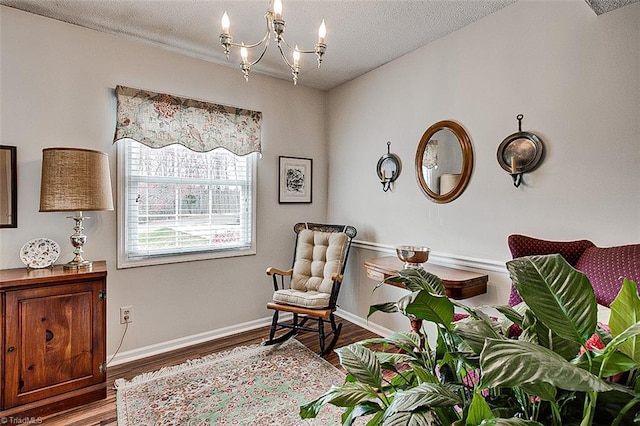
{"x":104,"y":412}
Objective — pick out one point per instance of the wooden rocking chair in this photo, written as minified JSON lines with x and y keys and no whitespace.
{"x":311,"y":290}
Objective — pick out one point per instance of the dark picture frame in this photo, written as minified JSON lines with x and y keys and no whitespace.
{"x":295,"y":179}
{"x":8,"y":187}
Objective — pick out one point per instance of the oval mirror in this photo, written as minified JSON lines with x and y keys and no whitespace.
{"x":444,"y":161}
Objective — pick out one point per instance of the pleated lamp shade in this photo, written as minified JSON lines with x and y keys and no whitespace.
{"x":75,"y":179}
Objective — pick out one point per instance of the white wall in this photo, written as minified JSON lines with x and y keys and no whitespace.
{"x":575,"y":77}
{"x":57,"y":84}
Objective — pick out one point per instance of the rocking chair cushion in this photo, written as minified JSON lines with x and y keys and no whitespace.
{"x":318,"y":256}
{"x":306,"y":299}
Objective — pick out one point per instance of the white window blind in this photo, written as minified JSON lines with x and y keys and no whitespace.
{"x":179,"y":205}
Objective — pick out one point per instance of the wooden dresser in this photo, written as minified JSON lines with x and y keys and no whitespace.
{"x":52,"y":339}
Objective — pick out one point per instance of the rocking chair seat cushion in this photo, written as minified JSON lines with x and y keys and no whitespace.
{"x":306,"y":299}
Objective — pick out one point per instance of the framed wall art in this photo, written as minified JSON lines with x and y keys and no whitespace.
{"x":294,"y":180}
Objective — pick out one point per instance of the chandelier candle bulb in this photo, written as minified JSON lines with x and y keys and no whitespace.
{"x":225,"y":23}
{"x":322,"y":32}
{"x":277,"y":8}
{"x":514,"y":169}
{"x":244,"y":54}
{"x":296,"y":57}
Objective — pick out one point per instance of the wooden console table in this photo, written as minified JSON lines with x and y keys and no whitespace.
{"x":458,"y":284}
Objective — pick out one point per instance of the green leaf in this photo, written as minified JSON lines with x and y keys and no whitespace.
{"x":511,"y":314}
{"x":625,"y":311}
{"x":559,"y":295}
{"x":388,"y":307}
{"x":470,"y":310}
{"x":550,"y":340}
{"x":361,"y":363}
{"x":347,"y":395}
{"x":474,"y":333}
{"x":429,"y":307}
{"x":416,"y":279}
{"x":616,"y":363}
{"x":364,"y":409}
{"x":392,"y":358}
{"x":509,"y":422}
{"x":406,"y":341}
{"x":630,"y":333}
{"x":423,"y":395}
{"x":376,"y":420}
{"x":509,"y":363}
{"x":479,"y":410}
{"x":534,"y":331}
{"x":424,"y":375}
{"x":420,"y":418}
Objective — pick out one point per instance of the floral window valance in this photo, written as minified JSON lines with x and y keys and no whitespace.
{"x":157,"y":120}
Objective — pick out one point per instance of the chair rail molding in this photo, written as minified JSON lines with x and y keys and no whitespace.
{"x":439,"y":258}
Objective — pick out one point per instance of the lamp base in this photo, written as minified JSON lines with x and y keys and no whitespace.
{"x":81,"y":264}
{"x":77,"y":241}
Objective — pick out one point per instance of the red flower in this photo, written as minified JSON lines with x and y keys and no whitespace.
{"x":594,"y":343}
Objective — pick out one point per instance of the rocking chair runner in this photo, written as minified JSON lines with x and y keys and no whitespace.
{"x":311,"y":290}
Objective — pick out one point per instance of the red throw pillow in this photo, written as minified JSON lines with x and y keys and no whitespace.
{"x":606,"y":267}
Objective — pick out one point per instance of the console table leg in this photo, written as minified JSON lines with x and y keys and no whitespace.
{"x":416,"y":327}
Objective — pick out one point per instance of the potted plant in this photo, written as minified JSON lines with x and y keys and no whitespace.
{"x":560,"y":367}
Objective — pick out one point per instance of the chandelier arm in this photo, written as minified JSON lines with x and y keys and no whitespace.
{"x":267,"y":35}
{"x":284,"y":57}
{"x":266,"y":45}
{"x":293,"y":48}
{"x":306,"y":51}
{"x":250,"y":46}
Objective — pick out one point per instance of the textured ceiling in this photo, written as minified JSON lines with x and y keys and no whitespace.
{"x":361,"y":34}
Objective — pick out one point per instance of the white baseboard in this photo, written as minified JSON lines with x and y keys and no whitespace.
{"x":160,"y":348}
{"x":183,"y":342}
{"x":373,"y":327}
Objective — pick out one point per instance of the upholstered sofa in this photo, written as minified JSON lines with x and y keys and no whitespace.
{"x":605,"y":267}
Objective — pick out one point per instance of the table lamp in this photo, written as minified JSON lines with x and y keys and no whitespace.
{"x":75,"y":180}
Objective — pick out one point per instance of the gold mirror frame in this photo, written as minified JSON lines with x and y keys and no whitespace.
{"x":467,"y":161}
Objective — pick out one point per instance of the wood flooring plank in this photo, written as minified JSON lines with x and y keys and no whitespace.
{"x":103,"y":413}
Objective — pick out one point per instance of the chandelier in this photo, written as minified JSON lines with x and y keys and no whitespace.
{"x":275,"y":26}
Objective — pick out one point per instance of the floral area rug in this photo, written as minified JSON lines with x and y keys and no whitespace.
{"x":249,"y":385}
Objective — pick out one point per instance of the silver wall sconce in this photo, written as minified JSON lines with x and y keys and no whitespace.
{"x":388,"y":168}
{"x":520,"y":153}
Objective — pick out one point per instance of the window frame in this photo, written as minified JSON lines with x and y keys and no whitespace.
{"x":122,"y":260}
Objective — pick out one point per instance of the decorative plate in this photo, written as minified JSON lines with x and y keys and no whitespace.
{"x":39,"y":253}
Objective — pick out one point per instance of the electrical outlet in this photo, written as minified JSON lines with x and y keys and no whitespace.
{"x":126,"y":314}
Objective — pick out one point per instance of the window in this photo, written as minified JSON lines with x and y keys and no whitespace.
{"x":178,"y":205}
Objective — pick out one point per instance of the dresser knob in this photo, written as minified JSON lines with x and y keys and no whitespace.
{"x":11,"y":349}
